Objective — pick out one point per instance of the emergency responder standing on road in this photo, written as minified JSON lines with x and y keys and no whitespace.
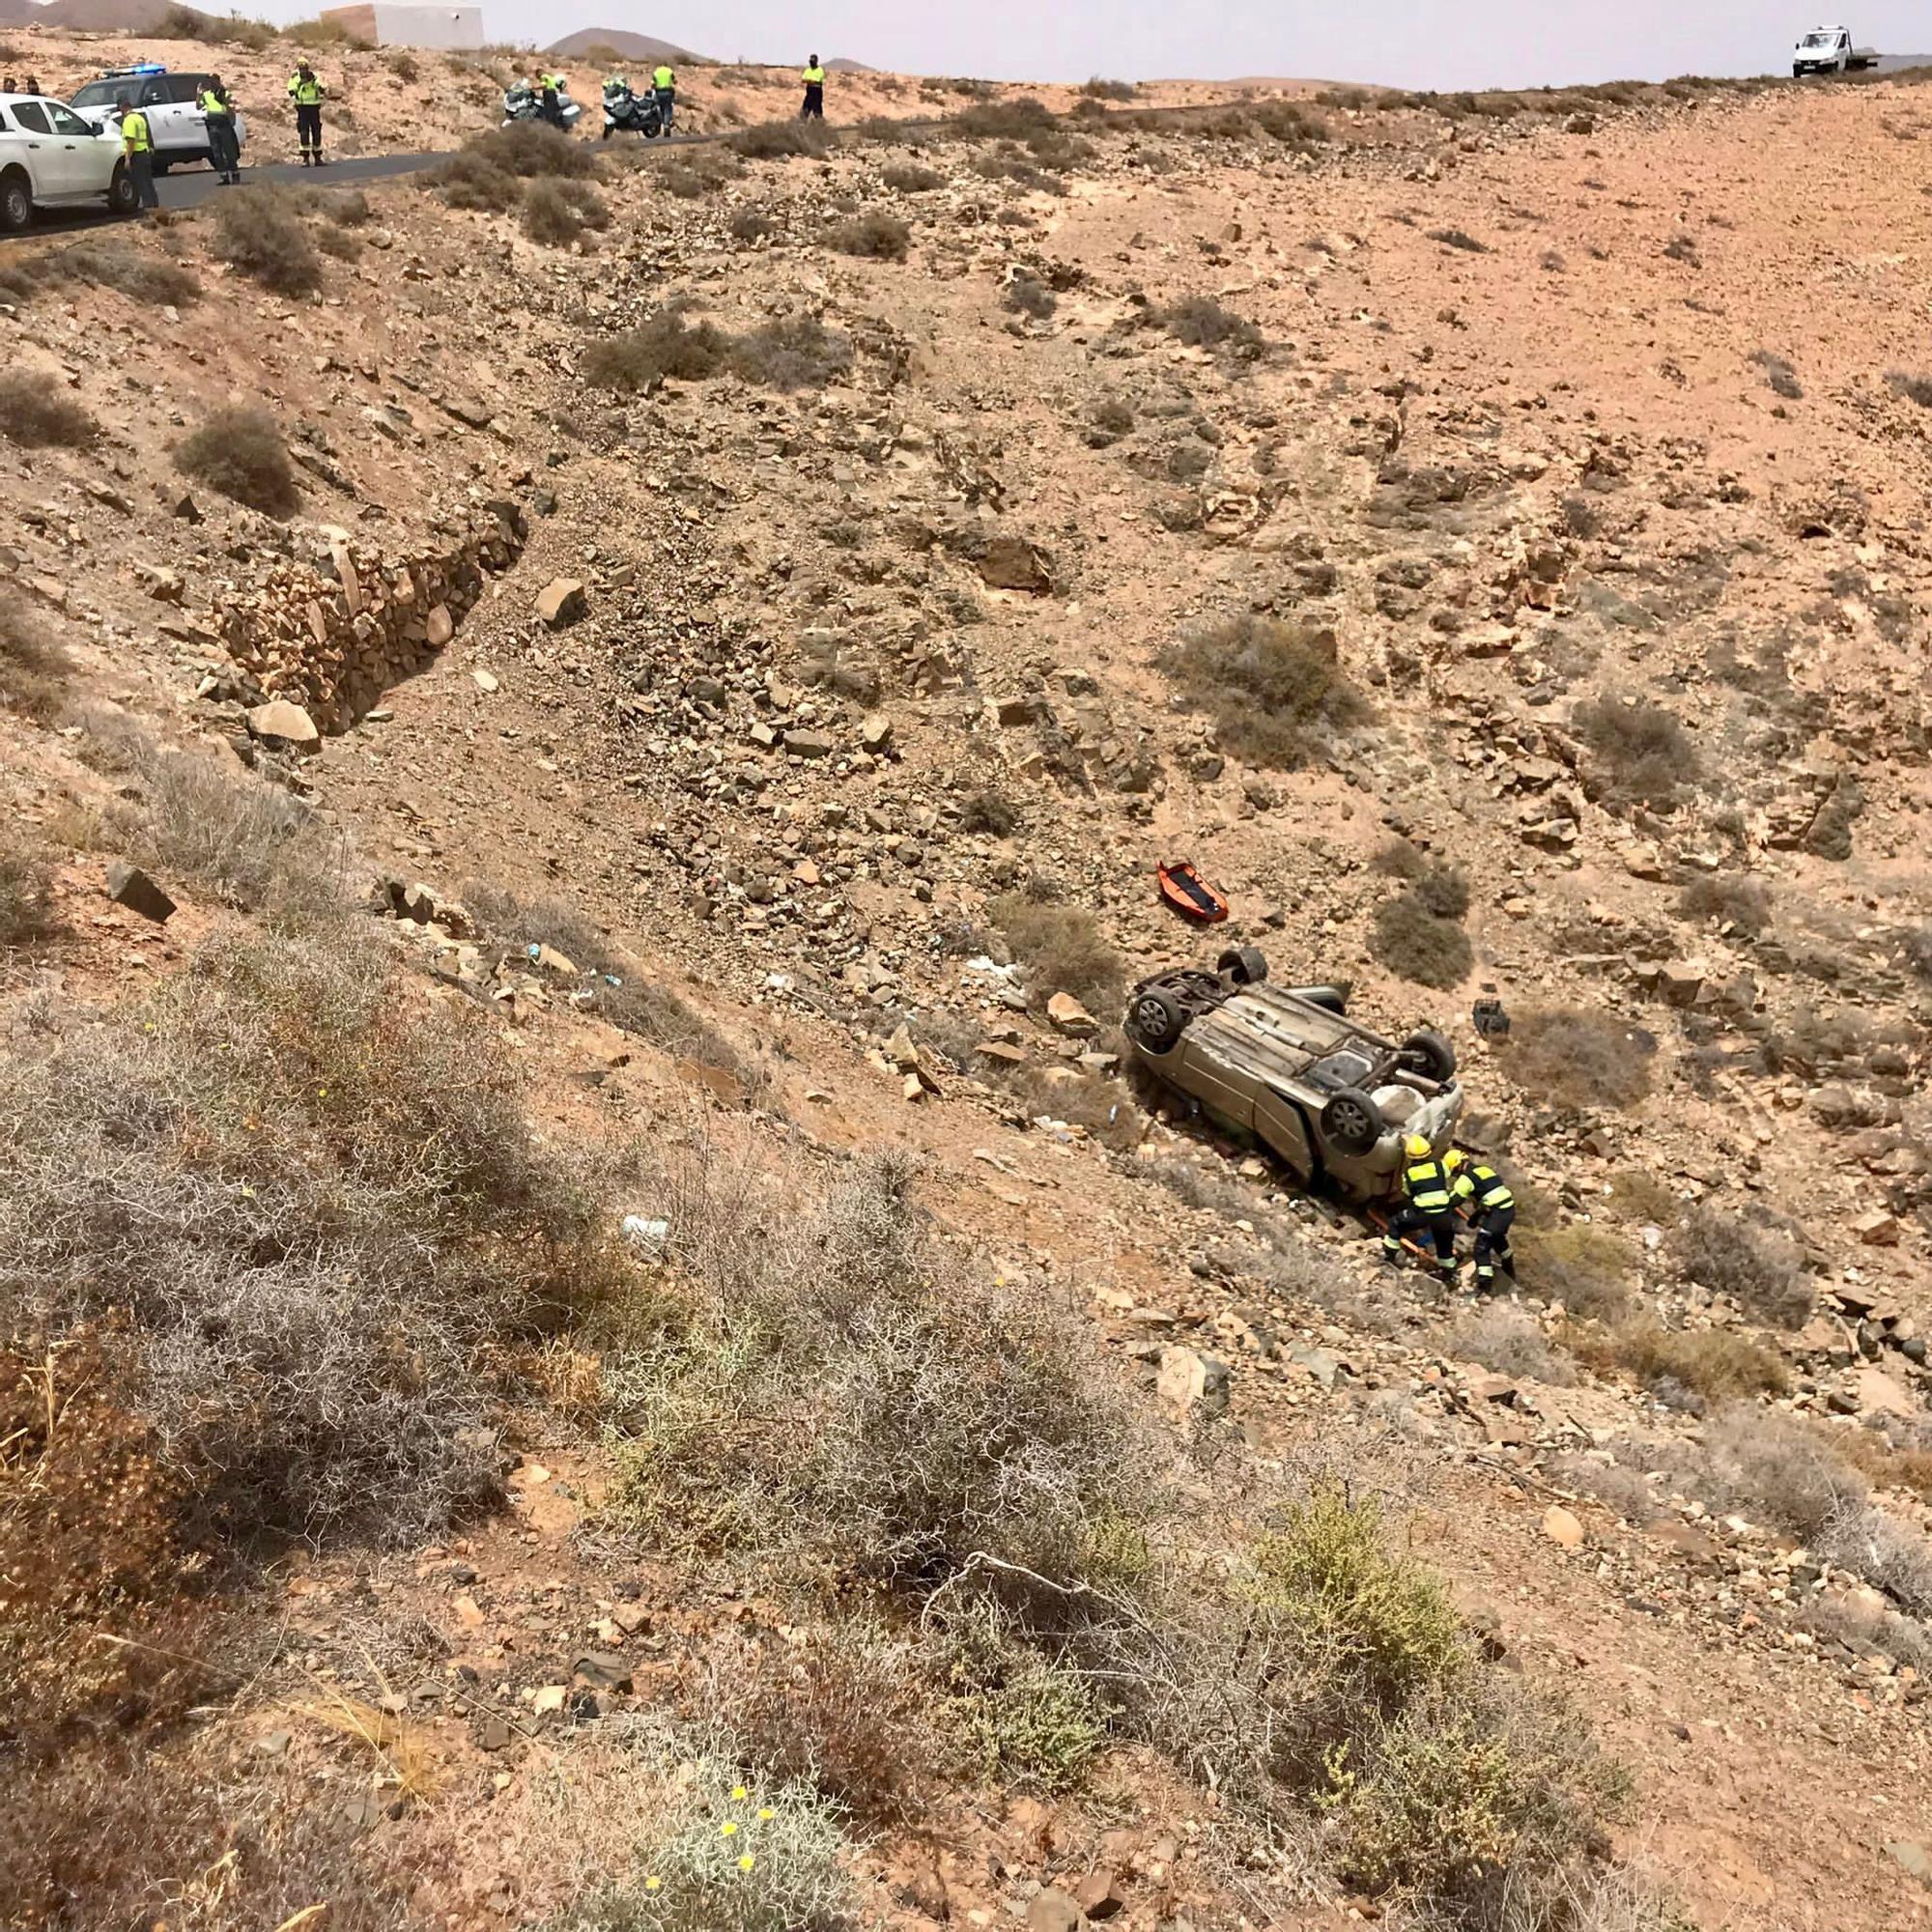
{"x":305,"y":90}
{"x":815,"y":91}
{"x":1428,"y":1206}
{"x":223,"y":148}
{"x":1492,"y":1210}
{"x":138,"y":145}
{"x":664,"y":84}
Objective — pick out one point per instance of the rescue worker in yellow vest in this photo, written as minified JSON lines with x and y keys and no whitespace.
{"x":550,"y":86}
{"x":1492,"y":1210}
{"x":305,"y":90}
{"x":664,"y":84}
{"x":815,"y":91}
{"x":137,"y":144}
{"x":224,"y":151}
{"x":1428,"y":1207}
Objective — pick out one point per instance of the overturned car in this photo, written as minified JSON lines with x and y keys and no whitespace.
{"x":1288,"y":1068}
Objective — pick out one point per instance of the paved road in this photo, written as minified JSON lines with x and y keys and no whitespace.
{"x":193,"y":186}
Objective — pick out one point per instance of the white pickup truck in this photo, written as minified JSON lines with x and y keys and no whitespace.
{"x":1830,"y":51}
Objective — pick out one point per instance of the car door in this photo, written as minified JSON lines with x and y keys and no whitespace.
{"x":93,"y":155}
{"x":153,"y":102}
{"x":51,"y":163}
{"x":1281,"y":1124}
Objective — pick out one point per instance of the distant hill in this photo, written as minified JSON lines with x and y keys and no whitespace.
{"x":94,"y":16}
{"x":633,"y":46}
{"x":844,"y":66}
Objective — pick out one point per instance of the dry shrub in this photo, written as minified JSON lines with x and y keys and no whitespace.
{"x":1099,"y":89}
{"x":1647,"y":757}
{"x":1203,"y":322}
{"x":1444,"y":889}
{"x":780,"y":140}
{"x":471,"y":181}
{"x":945,"y":1429}
{"x":251,"y":845}
{"x":1586,"y":1268}
{"x":1457,"y":237}
{"x":751,"y":224}
{"x":1568,"y":1058}
{"x":1891,"y":1555}
{"x":1003,"y":120}
{"x":909,"y":178}
{"x":26,"y":888}
{"x":849,"y":1713}
{"x":1711,"y":1364}
{"x":1274,"y":688}
{"x":793,"y":353}
{"x":1727,"y":898}
{"x":1780,"y":375}
{"x":1113,"y":415}
{"x":37,"y":415}
{"x":262,"y":234}
{"x":665,"y":346}
{"x":347,"y":208}
{"x":238,"y":452}
{"x":33,"y":670}
{"x":528,"y":148}
{"x":558,"y":211}
{"x":1759,"y":1268}
{"x":338,"y":245}
{"x":1914,"y":389}
{"x":688,"y":176}
{"x":1786,"y":1472}
{"x":318,"y":1199}
{"x":1509,"y":1342}
{"x":990,"y":813}
{"x":1025,"y":295}
{"x":1413,"y":941}
{"x":880,"y":237}
{"x":1062,"y":948}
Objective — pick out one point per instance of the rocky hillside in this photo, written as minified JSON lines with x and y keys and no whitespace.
{"x":587,"y":741}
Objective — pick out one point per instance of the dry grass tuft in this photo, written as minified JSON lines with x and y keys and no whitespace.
{"x":1645,"y":754}
{"x":1062,"y":947}
{"x":1203,"y":322}
{"x":1570,"y":1057}
{"x":556,"y":212}
{"x":876,"y":235}
{"x":26,"y":888}
{"x":1759,"y":1268}
{"x":37,"y":415}
{"x":262,"y":234}
{"x":33,"y":670}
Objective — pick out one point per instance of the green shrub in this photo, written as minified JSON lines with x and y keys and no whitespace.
{"x":1274,"y":688}
{"x":1062,"y":947}
{"x":1022,"y":1720}
{"x":238,"y":452}
{"x":262,"y":234}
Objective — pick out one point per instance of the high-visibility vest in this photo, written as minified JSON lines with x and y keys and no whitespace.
{"x":305,"y":92}
{"x":134,"y":135}
{"x":1482,"y":1182}
{"x":213,"y":104}
{"x":662,"y":78}
{"x":815,"y":76}
{"x":1426,"y":1182}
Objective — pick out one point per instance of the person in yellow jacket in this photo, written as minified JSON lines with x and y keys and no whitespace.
{"x":664,"y":84}
{"x":1491,"y":1211}
{"x":224,"y":151}
{"x":306,"y":91}
{"x":1428,"y":1207}
{"x":813,"y":77}
{"x":137,"y":144}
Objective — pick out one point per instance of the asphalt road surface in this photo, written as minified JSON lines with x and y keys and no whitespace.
{"x":193,"y":186}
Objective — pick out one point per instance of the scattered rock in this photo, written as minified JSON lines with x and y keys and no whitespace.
{"x":1877,"y":1230}
{"x":280,"y":722}
{"x":1562,"y":1527}
{"x":129,"y":886}
{"x":1052,"y":1911}
{"x":561,"y":602}
{"x":875,"y":733}
{"x":1069,"y":1017}
{"x":1913,"y":1859}
{"x":1190,"y":1380}
{"x":1098,"y":1895}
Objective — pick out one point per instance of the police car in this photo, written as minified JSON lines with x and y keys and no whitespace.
{"x":171,"y":101}
{"x":51,"y":157}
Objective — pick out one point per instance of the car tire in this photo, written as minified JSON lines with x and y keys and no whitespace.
{"x":1351,"y":1122}
{"x":1155,"y":1020}
{"x":1244,"y":965}
{"x":17,"y":202}
{"x":123,"y":199}
{"x":1431,"y":1055}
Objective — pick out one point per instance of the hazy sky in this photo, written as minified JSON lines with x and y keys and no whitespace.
{"x":1404,"y":42}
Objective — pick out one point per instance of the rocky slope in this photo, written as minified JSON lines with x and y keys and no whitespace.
{"x":1588,"y":452}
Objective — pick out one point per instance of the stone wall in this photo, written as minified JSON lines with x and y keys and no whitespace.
{"x":332,"y":634}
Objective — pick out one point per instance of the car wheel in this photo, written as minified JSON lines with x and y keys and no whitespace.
{"x":1352,"y":1120}
{"x":1429,"y":1055}
{"x":17,"y":202}
{"x":123,"y":199}
{"x":1155,"y":1020}
{"x":1244,"y":965}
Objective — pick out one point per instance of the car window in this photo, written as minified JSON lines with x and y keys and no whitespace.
{"x":32,"y":117}
{"x":99,"y":94}
{"x":184,"y":87}
{"x":66,"y":121}
{"x":154,"y":93}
